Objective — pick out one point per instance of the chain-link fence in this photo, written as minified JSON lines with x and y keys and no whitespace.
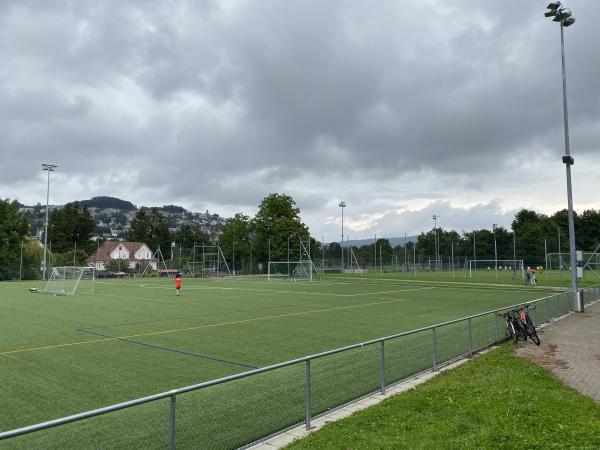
{"x":244,"y":408}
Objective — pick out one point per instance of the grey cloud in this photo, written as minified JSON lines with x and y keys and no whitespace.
{"x":218,"y":103}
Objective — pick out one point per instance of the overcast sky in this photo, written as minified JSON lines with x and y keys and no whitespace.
{"x":402,"y":109}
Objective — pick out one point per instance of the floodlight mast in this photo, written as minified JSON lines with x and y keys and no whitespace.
{"x":494,"y":226}
{"x":49,"y":168}
{"x":342,"y":205}
{"x":565,"y":18}
{"x":435,"y":240}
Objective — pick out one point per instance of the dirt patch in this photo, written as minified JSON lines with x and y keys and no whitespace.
{"x":544,"y":355}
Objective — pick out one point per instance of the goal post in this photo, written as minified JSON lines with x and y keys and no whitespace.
{"x":303,"y":269}
{"x":207,"y":261}
{"x":68,"y":280}
{"x":492,"y":268}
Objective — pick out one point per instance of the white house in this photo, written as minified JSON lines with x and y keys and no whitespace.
{"x":137,"y":253}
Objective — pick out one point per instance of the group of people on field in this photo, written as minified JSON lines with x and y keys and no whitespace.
{"x":530,"y":279}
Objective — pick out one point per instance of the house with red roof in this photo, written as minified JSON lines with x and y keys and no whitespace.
{"x":137,"y":253}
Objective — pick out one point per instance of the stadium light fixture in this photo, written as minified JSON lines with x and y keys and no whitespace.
{"x":342,"y":205}
{"x":565,"y":18}
{"x":49,"y":168}
{"x":554,"y":5}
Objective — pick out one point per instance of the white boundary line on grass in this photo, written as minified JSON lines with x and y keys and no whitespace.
{"x":275,"y":291}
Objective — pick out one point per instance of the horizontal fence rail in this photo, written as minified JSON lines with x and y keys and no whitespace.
{"x":241,"y":409}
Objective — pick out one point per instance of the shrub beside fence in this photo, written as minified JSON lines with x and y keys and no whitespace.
{"x":244,"y":408}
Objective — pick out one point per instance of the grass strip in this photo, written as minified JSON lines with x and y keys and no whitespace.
{"x":497,"y":400}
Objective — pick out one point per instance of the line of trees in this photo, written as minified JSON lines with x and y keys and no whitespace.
{"x":531,"y":236}
{"x":274,"y":234}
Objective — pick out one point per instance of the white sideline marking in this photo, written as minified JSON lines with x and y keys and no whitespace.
{"x":327,"y":294}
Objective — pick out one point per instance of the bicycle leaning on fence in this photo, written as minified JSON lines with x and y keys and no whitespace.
{"x":520,"y":326}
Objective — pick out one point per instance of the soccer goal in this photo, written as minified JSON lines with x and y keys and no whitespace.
{"x":492,"y":268}
{"x":354,"y":266}
{"x":207,"y":261}
{"x":304,"y":269}
{"x":68,"y":280}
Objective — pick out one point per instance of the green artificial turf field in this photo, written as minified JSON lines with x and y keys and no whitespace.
{"x":62,"y":355}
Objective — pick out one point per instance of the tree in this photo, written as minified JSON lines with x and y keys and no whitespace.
{"x":276,"y":223}
{"x":117,"y":265}
{"x":150,"y":228}
{"x":384,"y":252}
{"x":69,"y":226}
{"x":187,"y":236}
{"x":587,"y":233}
{"x":13,"y":231}
{"x":236,"y":237}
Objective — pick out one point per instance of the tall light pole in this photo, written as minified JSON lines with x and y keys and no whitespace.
{"x":474,"y":250}
{"x":514,"y":254}
{"x":49,"y":168}
{"x":342,"y":205}
{"x":435,"y":241}
{"x":233,"y":254}
{"x":564,"y":16}
{"x":495,"y":249}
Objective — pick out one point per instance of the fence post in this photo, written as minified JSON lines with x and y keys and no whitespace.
{"x":382,"y":368}
{"x":558,"y":305}
{"x":308,"y":394}
{"x":470,"y":338}
{"x":548,"y":308}
{"x":434,"y":351}
{"x":172,"y":422}
{"x":497,"y":327}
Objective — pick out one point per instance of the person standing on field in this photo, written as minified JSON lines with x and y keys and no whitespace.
{"x":178,"y":283}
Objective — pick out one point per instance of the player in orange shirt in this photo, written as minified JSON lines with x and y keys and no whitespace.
{"x":178,"y":283}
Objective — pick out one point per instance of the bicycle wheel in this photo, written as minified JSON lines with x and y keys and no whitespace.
{"x":533,"y":334}
{"x":512,"y":333}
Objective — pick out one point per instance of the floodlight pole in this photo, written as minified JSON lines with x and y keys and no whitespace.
{"x":233,"y":257}
{"x":49,"y":168}
{"x":435,"y":243}
{"x":568,"y":160}
{"x":495,"y":250}
{"x":342,"y":205}
{"x":21,"y":263}
{"x":474,"y":249}
{"x":564,"y":17}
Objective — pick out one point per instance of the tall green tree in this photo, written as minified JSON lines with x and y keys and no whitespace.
{"x":151,"y":228}
{"x":235,"y":237}
{"x":276,"y":223}
{"x":13,"y":231}
{"x":70,"y":226}
{"x":587,"y":233}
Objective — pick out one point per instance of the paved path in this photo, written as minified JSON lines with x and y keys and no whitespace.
{"x":570,"y":349}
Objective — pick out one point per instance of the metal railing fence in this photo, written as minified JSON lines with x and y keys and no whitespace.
{"x":245,"y":408}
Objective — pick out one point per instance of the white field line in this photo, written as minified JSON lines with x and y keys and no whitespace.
{"x":275,"y":291}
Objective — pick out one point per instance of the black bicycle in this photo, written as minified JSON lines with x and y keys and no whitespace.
{"x":520,"y":326}
{"x":515,"y":329}
{"x":527,"y":324}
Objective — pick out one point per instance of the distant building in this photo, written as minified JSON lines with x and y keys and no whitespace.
{"x":137,"y":253}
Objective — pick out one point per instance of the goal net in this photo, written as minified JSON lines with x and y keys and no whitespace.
{"x":354,"y":266}
{"x":302,"y":270}
{"x":207,"y":261}
{"x":68,"y":280}
{"x":491,"y":268}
